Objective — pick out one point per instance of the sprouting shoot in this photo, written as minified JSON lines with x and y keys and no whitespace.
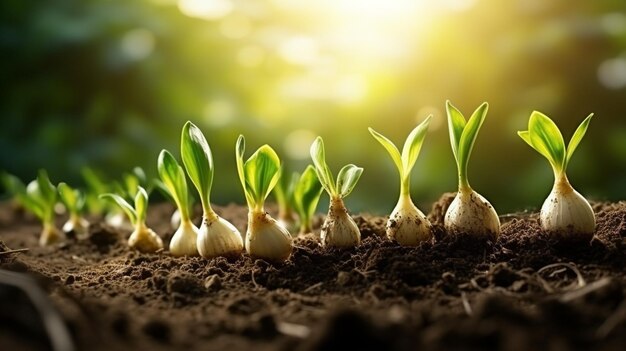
{"x":469,"y":213}
{"x":40,"y":197}
{"x":306,"y":195}
{"x":565,"y":213}
{"x":183,"y":242}
{"x":339,"y":229}
{"x":217,"y":236}
{"x":74,"y":202}
{"x":407,"y":224}
{"x":142,"y":238}
{"x":265,"y":237}
{"x":284,"y":193}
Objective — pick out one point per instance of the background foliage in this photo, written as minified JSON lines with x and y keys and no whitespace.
{"x":109,"y":83}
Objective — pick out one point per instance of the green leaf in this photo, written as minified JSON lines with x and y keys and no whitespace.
{"x":261,"y":172}
{"x":307,"y":193}
{"x":468,"y":137}
{"x":576,"y":139}
{"x":547,"y":139}
{"x":413,"y":145}
{"x":46,"y":189}
{"x":348,"y":177}
{"x":391,"y":149}
{"x":198,"y":161}
{"x":284,"y":189}
{"x":69,"y":197}
{"x":141,"y":204}
{"x":318,"y":155}
{"x":13,"y":184}
{"x":123,"y":204}
{"x":173,"y":178}
{"x":34,"y":201}
{"x":456,"y":125}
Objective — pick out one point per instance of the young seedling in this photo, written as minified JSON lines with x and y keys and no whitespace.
{"x":284,"y":192}
{"x":339,"y":229}
{"x":469,"y":213}
{"x":307,"y":192}
{"x":217,"y":236}
{"x":74,"y":202}
{"x":183,"y":241}
{"x":142,"y":239}
{"x":565,"y":213}
{"x":15,"y":188}
{"x":265,"y":237}
{"x":407,"y":224}
{"x":40,"y":198}
{"x":95,"y":186}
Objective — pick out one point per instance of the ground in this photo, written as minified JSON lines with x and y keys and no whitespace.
{"x":523,"y":292}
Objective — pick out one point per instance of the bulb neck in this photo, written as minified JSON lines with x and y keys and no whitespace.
{"x":337,"y":207}
{"x":562,"y":184}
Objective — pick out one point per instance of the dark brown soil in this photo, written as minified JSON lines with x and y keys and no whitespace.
{"x":524,"y":292}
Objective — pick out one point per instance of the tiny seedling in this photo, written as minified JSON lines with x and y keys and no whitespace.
{"x":217,"y":236}
{"x":74,"y":202}
{"x":142,"y":238}
{"x":184,"y":240}
{"x":96,"y":186}
{"x":265,"y":237}
{"x":40,"y":199}
{"x":339,"y":229}
{"x":284,"y":193}
{"x":14,"y":188}
{"x":565,"y":213}
{"x":306,"y":195}
{"x":407,"y":224}
{"x":469,"y":213}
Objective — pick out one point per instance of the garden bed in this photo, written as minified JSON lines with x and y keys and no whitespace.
{"x":523,"y":292}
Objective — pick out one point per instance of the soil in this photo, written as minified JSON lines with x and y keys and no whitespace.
{"x":523,"y":292}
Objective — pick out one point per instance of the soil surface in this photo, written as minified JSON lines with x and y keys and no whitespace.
{"x":523,"y":292}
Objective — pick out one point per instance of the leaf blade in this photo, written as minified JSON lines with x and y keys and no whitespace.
{"x":392,"y":150}
{"x":262,"y":173}
{"x":198,"y":161}
{"x":347,"y":179}
{"x":173,"y":177}
{"x":469,"y":135}
{"x":307,"y":193}
{"x":577,"y":137}
{"x":123,"y":204}
{"x":318,"y":155}
{"x":456,"y":125}
{"x":547,"y":139}
{"x":413,"y":145}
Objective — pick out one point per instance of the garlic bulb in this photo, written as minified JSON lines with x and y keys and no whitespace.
{"x":339,"y":229}
{"x":471,"y":214}
{"x":175,"y":220}
{"x":266,"y":238}
{"x":144,"y":239}
{"x":77,"y":225}
{"x":565,"y":212}
{"x":183,"y":242}
{"x":218,"y":237}
{"x":407,"y":224}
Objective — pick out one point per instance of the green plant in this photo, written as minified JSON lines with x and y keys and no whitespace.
{"x":40,"y":197}
{"x":173,"y":179}
{"x":95,"y":186}
{"x":407,"y":224}
{"x":306,"y":195}
{"x":469,"y":213}
{"x":265,"y":237}
{"x":339,"y":228}
{"x":565,"y":212}
{"x":74,"y":202}
{"x":216,"y":236}
{"x":142,"y":238}
{"x":284,"y":193}
{"x":14,"y":188}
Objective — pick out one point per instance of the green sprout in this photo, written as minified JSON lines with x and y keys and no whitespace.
{"x":406,"y":224}
{"x":469,"y":213}
{"x":565,"y":213}
{"x":173,"y":178}
{"x":40,"y":198}
{"x":74,"y":201}
{"x":15,"y":188}
{"x":142,"y":238}
{"x":265,"y":237}
{"x":216,"y":236}
{"x":284,"y":193}
{"x":339,"y":229}
{"x":306,"y":195}
{"x":95,"y":186}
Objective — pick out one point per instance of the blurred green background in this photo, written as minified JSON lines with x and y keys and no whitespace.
{"x":109,"y":83}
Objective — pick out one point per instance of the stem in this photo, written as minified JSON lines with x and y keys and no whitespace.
{"x":404,"y":201}
{"x":405,"y":185}
{"x":464,"y":185}
{"x":305,"y":226}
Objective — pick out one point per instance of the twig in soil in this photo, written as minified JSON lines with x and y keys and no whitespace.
{"x":313,"y":287}
{"x":256,"y":286}
{"x":294,"y":330}
{"x":54,"y":325}
{"x":13,"y":251}
{"x":612,"y":322}
{"x":466,"y":305}
{"x":579,"y":277}
{"x":585,"y":290}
